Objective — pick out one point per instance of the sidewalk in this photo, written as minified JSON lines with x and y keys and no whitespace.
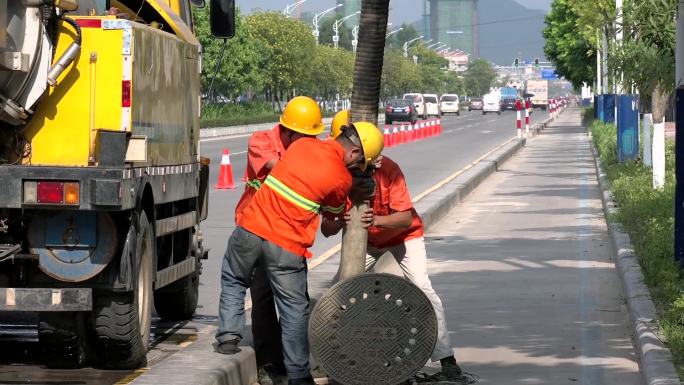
{"x":525,"y":270}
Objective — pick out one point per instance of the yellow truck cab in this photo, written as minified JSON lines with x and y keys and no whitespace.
{"x":103,"y":186}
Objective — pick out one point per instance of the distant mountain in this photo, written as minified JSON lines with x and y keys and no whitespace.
{"x":509,"y":30}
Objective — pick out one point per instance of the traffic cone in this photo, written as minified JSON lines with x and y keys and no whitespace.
{"x":387,"y":137}
{"x":225,"y":180}
{"x":431,"y":129}
{"x":439,"y":126}
{"x":245,"y":178}
{"x":395,"y":135}
{"x":411,"y":133}
{"x":402,"y":134}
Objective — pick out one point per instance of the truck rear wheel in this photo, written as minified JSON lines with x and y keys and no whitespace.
{"x":63,"y":339}
{"x":123,"y":320}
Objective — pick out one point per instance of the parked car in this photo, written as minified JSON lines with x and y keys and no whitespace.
{"x":418,"y":103}
{"x":449,"y":104}
{"x":491,"y":103}
{"x":475,"y":104}
{"x":431,"y":105}
{"x":400,"y":110}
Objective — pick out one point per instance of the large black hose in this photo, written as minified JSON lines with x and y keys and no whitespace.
{"x":369,"y":59}
{"x":365,"y":99}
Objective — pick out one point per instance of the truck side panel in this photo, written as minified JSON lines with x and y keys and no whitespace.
{"x":165,"y":107}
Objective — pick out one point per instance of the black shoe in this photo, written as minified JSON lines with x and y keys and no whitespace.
{"x":443,"y":379}
{"x":301,"y":381}
{"x":268,"y":375}
{"x":228,"y":347}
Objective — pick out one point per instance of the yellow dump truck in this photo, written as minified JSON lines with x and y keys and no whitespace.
{"x":102,"y":186}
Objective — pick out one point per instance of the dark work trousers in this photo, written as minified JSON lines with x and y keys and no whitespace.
{"x":266,"y":331}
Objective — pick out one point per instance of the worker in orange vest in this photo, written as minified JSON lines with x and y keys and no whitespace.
{"x":277,"y":227}
{"x":394,"y":226}
{"x":301,"y":118}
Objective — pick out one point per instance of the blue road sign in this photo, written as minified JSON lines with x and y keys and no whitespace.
{"x":548,"y":74}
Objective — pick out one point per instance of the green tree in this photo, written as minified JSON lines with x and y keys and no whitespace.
{"x":241,"y":59}
{"x":287,"y":46}
{"x":479,"y":77}
{"x":573,"y":55}
{"x":398,"y":39}
{"x":399,"y":75}
{"x":331,"y":73}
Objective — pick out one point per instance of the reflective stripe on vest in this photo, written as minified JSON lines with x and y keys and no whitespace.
{"x":291,"y":195}
{"x":334,"y":210}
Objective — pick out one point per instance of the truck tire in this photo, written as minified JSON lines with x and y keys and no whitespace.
{"x":64,"y":340}
{"x":178,"y":301}
{"x":123,"y":320}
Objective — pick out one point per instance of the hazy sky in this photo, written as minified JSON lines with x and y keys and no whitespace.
{"x":402,"y":10}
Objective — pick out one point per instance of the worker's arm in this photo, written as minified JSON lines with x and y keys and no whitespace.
{"x":262,"y":155}
{"x":330,"y":227}
{"x":398,"y":220}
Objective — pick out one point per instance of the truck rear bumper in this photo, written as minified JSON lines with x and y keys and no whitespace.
{"x":46,"y":299}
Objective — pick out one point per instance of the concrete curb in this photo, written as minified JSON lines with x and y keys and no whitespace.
{"x":655,"y":363}
{"x":436,"y":205}
{"x":199,"y":364}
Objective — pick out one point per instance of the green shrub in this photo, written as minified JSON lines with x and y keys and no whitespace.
{"x":647,"y":215}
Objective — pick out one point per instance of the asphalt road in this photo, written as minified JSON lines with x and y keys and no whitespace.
{"x":464,"y":139}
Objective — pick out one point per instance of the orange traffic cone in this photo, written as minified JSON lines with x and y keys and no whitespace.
{"x":439,"y":126}
{"x":225,"y":180}
{"x":387,"y":137}
{"x":395,"y":135}
{"x":245,"y":178}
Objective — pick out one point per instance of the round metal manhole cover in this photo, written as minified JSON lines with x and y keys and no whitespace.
{"x":372,"y":329}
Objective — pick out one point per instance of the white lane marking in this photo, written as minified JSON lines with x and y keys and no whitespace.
{"x":227,"y":137}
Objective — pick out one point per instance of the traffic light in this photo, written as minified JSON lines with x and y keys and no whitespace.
{"x":516,"y":62}
{"x":536,"y":62}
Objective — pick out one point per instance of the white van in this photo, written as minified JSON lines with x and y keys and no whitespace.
{"x":419,"y":103}
{"x":491,"y":103}
{"x":449,"y":104}
{"x":431,"y":105}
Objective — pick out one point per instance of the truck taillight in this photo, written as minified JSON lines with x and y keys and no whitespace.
{"x":52,"y":193}
{"x":125,"y":93}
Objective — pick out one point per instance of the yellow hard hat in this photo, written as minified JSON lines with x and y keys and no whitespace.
{"x":302,"y":115}
{"x":372,"y":141}
{"x":341,"y":119}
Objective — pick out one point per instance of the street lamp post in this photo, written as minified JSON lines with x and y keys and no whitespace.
{"x":291,"y":7}
{"x":408,"y":43}
{"x":440,"y":47}
{"x":336,"y":27}
{"x":355,"y":38}
{"x":434,"y":44}
{"x":393,"y":32}
{"x":317,"y":18}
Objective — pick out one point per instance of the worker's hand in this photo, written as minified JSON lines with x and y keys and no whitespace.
{"x":367,"y":217}
{"x":378,"y":162}
{"x":362,"y":189}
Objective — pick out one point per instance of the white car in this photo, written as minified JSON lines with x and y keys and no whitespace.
{"x":418,"y":103}
{"x":449,"y":104}
{"x":491,"y":103}
{"x":431,"y":105}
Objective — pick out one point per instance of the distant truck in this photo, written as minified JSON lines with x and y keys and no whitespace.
{"x":540,"y":90}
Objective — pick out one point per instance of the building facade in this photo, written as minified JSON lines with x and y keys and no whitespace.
{"x":453,"y":22}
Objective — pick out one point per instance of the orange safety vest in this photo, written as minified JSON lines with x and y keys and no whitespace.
{"x":310,"y":179}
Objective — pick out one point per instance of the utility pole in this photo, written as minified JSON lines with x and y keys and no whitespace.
{"x":679,"y":140}
{"x":604,"y":63}
{"x":599,"y":88}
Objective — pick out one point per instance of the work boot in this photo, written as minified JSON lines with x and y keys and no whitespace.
{"x":268,"y":375}
{"x":301,"y":381}
{"x":228,"y":347}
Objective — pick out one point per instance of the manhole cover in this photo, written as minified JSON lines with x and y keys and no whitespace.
{"x":372,"y":329}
